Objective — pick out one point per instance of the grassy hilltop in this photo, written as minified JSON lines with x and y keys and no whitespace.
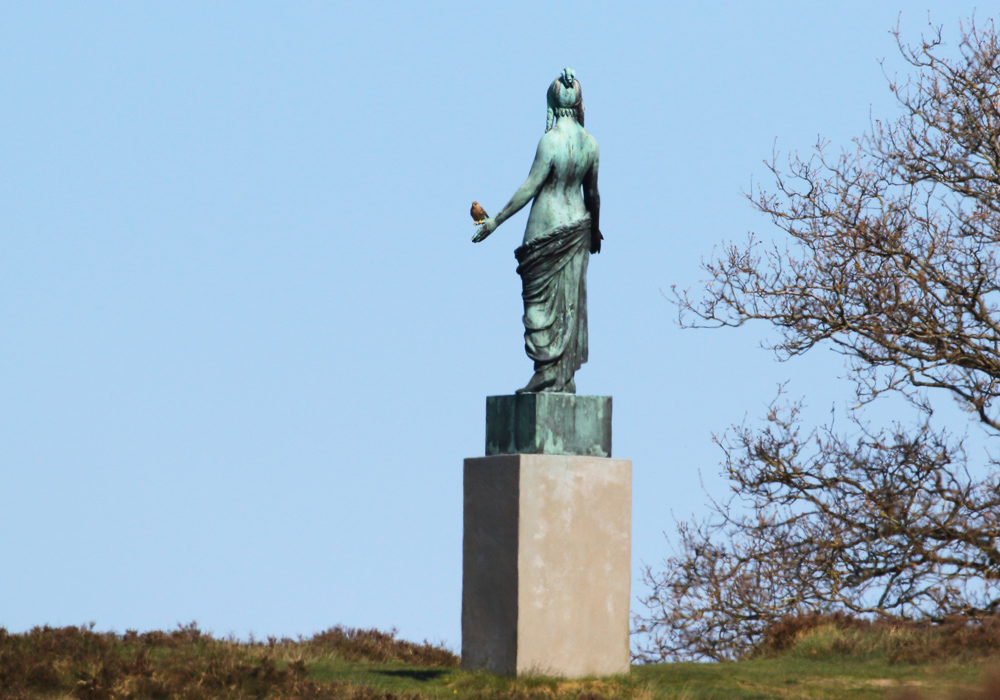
{"x":803,"y":658}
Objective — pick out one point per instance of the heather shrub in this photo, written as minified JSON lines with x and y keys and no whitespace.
{"x":893,"y":639}
{"x":187,"y":664}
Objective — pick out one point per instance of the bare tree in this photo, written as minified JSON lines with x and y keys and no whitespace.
{"x":891,"y":259}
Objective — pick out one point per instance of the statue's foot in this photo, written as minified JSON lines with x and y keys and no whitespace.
{"x":532,"y":389}
{"x":540,"y":383}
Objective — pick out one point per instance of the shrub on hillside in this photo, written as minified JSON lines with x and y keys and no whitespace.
{"x":891,"y":638}
{"x":80,"y":663}
{"x":380,"y":647}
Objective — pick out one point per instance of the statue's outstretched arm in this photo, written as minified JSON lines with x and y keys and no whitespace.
{"x":525,"y":193}
{"x":592,"y":200}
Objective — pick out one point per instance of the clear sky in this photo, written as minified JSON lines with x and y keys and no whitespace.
{"x":245,"y":340}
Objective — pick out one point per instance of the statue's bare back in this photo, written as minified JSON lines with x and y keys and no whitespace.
{"x":566,"y":155}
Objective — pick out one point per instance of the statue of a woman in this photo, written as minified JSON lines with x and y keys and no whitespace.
{"x":561,"y":234}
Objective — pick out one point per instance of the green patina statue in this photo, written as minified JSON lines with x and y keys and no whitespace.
{"x":562,"y":231}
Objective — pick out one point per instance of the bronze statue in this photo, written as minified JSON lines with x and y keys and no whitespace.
{"x":562,"y":231}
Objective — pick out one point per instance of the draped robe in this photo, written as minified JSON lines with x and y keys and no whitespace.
{"x":553,"y":270}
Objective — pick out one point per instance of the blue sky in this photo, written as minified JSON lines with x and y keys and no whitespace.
{"x":245,"y":340}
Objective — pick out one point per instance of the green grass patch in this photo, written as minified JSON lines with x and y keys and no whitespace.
{"x":833,"y":679}
{"x":755,"y":679}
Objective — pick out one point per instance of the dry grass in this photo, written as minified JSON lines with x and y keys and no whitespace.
{"x":80,"y":663}
{"x":887,"y":638}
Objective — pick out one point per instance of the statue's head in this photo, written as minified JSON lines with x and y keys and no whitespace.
{"x":565,"y":99}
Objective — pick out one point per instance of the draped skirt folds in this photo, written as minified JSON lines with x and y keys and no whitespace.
{"x":553,"y":270}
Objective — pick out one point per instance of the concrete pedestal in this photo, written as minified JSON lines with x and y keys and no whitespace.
{"x":547,"y":565}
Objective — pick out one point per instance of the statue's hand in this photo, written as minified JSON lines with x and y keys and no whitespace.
{"x":595,"y":240}
{"x":488,"y":227}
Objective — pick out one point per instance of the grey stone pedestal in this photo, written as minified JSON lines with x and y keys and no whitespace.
{"x":547,"y":557}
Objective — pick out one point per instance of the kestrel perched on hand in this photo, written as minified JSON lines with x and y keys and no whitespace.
{"x":478,"y":214}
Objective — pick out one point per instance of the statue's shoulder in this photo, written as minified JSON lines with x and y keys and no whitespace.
{"x":550,"y":137}
{"x":591,"y":144}
{"x":550,"y":143}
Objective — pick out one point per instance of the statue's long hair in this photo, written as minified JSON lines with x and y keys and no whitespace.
{"x":564,"y":93}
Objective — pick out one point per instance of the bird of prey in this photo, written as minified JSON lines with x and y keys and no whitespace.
{"x":478,"y":214}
